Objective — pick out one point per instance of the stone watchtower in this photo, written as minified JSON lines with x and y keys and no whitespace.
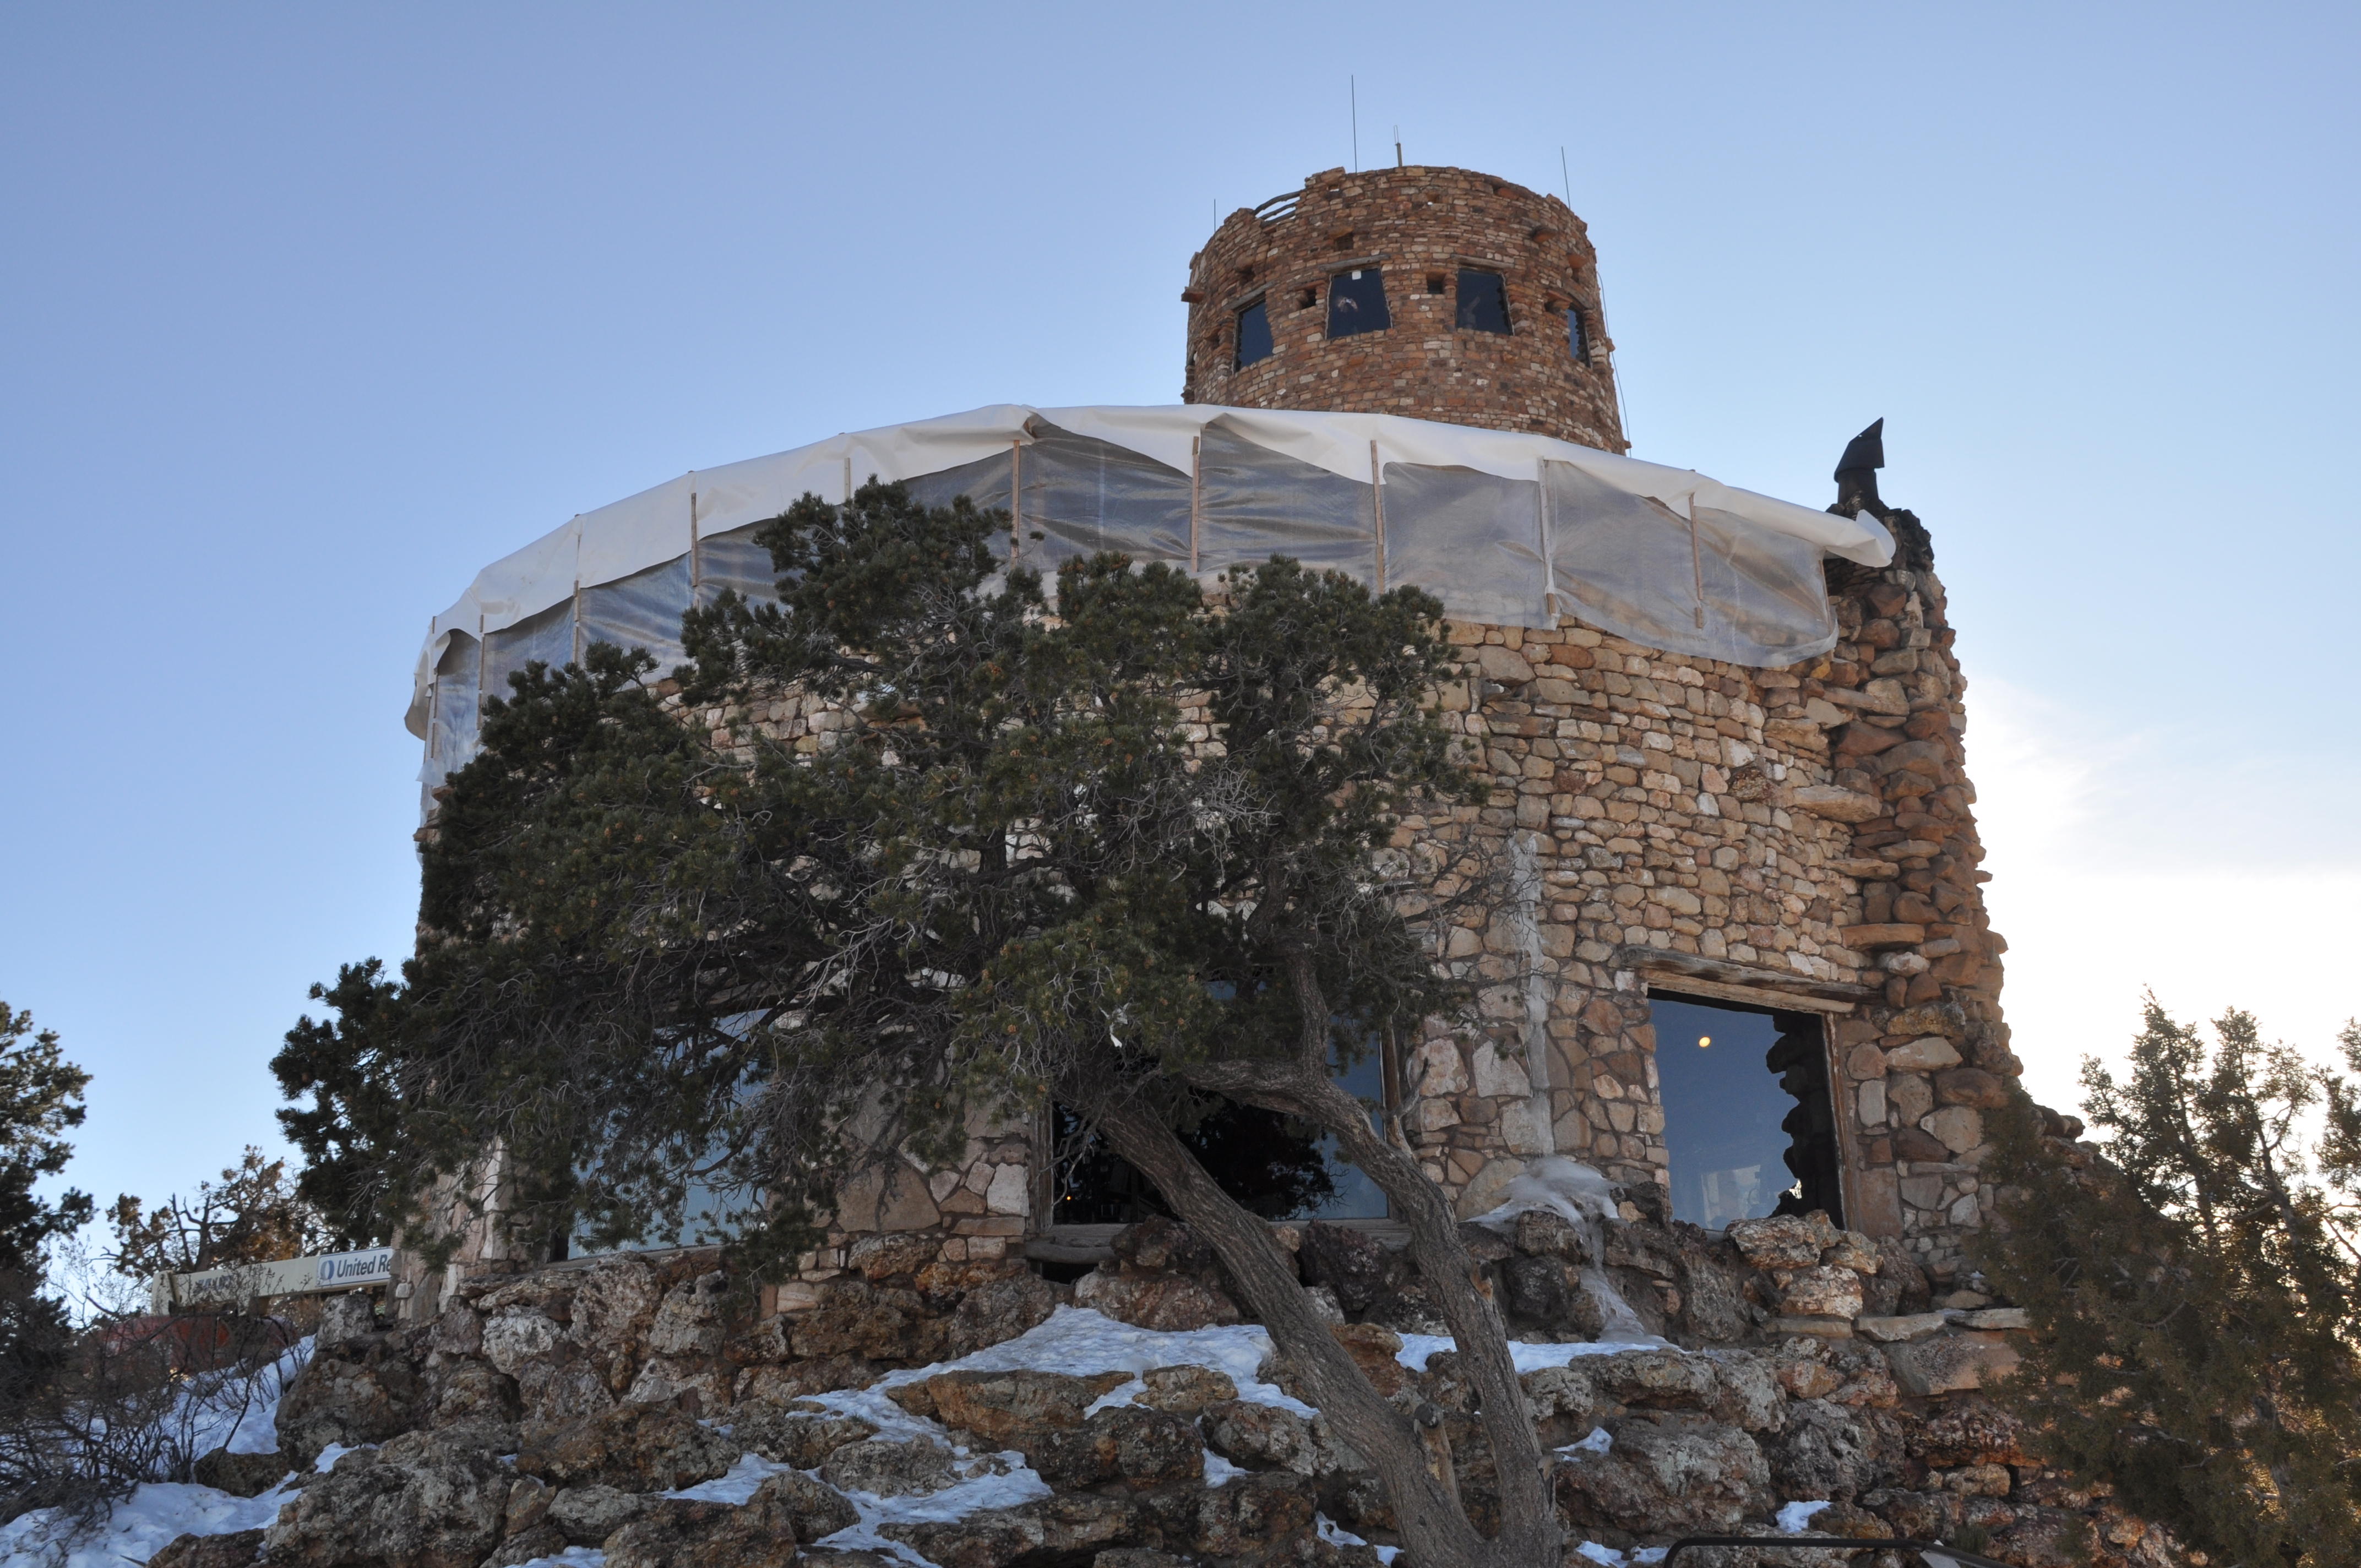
{"x":1779,"y":861}
{"x":1438,"y":294}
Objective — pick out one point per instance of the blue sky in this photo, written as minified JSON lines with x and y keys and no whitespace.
{"x":307,"y":313}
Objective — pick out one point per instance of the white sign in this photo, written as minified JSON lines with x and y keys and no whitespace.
{"x":287,"y":1276}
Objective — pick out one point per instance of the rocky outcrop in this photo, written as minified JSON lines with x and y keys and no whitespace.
{"x":555,"y":1410}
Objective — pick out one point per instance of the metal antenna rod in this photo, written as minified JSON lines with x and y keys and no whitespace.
{"x":1569,"y":177}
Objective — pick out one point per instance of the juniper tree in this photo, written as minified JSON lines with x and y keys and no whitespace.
{"x":40,"y":1102}
{"x":2196,"y":1290}
{"x":1128,"y":851}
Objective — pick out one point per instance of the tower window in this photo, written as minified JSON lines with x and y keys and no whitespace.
{"x":1356,"y":303}
{"x":1577,"y":337}
{"x":1483,"y":301}
{"x":1434,"y":282}
{"x":1253,"y":334}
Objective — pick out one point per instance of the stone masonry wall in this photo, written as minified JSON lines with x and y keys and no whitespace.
{"x":1802,"y":837}
{"x":1420,"y":227}
{"x":1799,"y":837}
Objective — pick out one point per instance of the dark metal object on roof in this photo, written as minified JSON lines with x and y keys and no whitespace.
{"x":1856,"y":473}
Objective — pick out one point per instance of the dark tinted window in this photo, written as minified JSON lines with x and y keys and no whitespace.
{"x":1253,"y":334}
{"x":1748,"y":1120}
{"x":1576,"y":338}
{"x":1483,"y":302}
{"x":1356,"y":303}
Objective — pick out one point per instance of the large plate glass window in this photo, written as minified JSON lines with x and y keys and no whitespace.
{"x":1356,"y":303}
{"x":1748,"y":1121}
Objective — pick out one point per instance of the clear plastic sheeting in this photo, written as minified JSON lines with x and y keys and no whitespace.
{"x":1472,"y":540}
{"x":451,"y":722}
{"x":1255,"y":503}
{"x":734,"y":561}
{"x":1084,"y":496}
{"x":642,"y":610}
{"x":546,"y":637}
{"x":1501,"y":526}
{"x":1633,"y":565}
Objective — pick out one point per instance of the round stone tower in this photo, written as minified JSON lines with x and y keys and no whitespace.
{"x":1437,"y":294}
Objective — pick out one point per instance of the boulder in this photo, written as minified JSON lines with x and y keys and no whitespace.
{"x":1347,"y":1261}
{"x":1052,"y":1530}
{"x":527,"y":1505}
{"x":1826,"y":1450}
{"x":1822,"y":1292}
{"x":699,"y":1384}
{"x":1949,"y":1363}
{"x":690,"y":1320}
{"x":425,"y":1500}
{"x":1172,"y":1303}
{"x":1783,"y":1241}
{"x":1544,"y":1233}
{"x":821,"y":1374}
{"x":856,"y":1318}
{"x":235,"y":1550}
{"x":239,"y":1474}
{"x":343,"y":1318}
{"x":889,"y":1468}
{"x":889,"y":1253}
{"x":1376,"y":1351}
{"x":1915,"y":1515}
{"x":1158,"y":1244}
{"x":814,"y":1510}
{"x":1667,"y":1474}
{"x":638,"y":1448}
{"x":1270,"y":1437}
{"x":343,"y":1402}
{"x":1540,"y":1289}
{"x":588,"y":1514}
{"x":615,"y":1303}
{"x":1140,"y":1446}
{"x":1011,"y":1409}
{"x":801,"y":1437}
{"x":555,"y":1390}
{"x":999,"y":1311}
{"x":1407,"y":1309}
{"x":527,"y":1546}
{"x":516,"y":1335}
{"x":678,"y":1533}
{"x":1965,"y":1431}
{"x":1185,"y":1390}
{"x":1251,"y":1512}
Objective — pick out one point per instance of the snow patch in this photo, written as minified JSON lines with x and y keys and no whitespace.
{"x":1585,"y":1199}
{"x":240,"y":1414}
{"x":1599,"y":1441}
{"x":735,"y":1485}
{"x":1079,"y":1341}
{"x":1220,"y":1472}
{"x":1417,"y":1348}
{"x":140,"y":1527}
{"x":1796,"y":1518}
{"x":1018,"y":1485}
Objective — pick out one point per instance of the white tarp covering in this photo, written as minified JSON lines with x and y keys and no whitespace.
{"x":1501,"y":527}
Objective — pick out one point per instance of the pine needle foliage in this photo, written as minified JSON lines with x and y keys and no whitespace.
{"x":677,"y":978}
{"x":2195,"y":1287}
